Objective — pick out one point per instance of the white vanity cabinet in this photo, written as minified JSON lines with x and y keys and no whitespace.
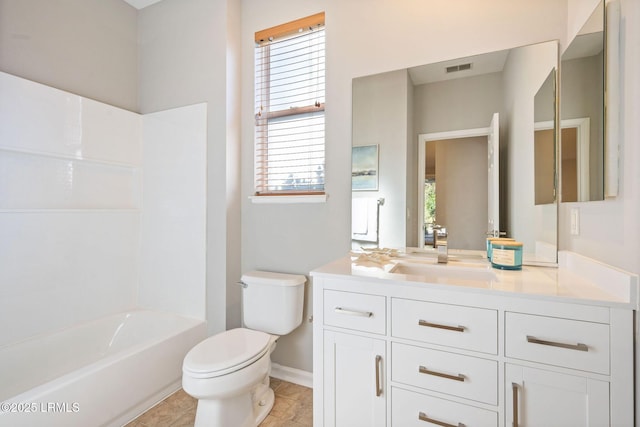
{"x":354,"y":359}
{"x":562,"y":372}
{"x":402,"y":353}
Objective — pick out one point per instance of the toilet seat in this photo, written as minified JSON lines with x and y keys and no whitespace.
{"x":226,"y":352}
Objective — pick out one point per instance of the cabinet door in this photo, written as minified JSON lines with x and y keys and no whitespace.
{"x":354,"y":381}
{"x":543,"y":398}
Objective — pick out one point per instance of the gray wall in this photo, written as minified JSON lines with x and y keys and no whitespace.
{"x":525,"y":72}
{"x":187,"y":56}
{"x":86,"y":47}
{"x":451,"y":105}
{"x":380,"y":117}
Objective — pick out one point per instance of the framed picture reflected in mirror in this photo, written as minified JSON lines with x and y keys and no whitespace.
{"x":364,"y":168}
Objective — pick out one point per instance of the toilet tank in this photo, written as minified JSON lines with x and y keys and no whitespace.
{"x":272,"y":302}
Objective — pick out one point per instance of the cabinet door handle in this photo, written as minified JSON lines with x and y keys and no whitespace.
{"x":579,"y":346}
{"x":439,"y":326}
{"x":353,"y":312}
{"x":424,"y":370}
{"x":423,"y":417}
{"x":514,"y":388}
{"x":378,"y":385}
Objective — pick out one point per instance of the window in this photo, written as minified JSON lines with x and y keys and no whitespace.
{"x":289,"y":91}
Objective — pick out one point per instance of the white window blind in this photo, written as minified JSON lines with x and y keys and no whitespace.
{"x":289,"y":89}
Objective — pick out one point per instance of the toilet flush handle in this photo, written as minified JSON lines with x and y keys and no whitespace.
{"x":241,"y":283}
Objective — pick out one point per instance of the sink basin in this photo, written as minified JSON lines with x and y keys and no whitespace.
{"x":431,"y":272}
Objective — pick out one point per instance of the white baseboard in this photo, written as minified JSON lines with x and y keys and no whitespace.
{"x":292,"y":375}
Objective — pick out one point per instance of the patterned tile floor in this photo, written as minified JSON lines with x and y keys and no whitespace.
{"x":292,"y":408}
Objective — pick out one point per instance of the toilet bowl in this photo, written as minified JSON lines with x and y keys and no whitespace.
{"x":229,"y":375}
{"x":229,"y":372}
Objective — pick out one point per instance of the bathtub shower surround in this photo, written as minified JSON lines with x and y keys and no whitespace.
{"x":69,"y":203}
{"x":89,"y":199}
{"x":86,"y":210}
{"x":173,"y":226}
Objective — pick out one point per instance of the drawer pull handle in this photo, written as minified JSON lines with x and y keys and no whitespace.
{"x":424,"y":370}
{"x":514,"y":389}
{"x":579,"y":346}
{"x":439,"y":326}
{"x":353,"y":312}
{"x":378,"y":386}
{"x":423,"y":417}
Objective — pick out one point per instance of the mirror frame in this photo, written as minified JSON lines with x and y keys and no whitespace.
{"x":611,"y":97}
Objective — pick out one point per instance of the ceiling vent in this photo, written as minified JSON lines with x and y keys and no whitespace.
{"x":460,"y":67}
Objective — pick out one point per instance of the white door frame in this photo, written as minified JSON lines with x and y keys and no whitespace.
{"x":423,"y":138}
{"x":583,"y":136}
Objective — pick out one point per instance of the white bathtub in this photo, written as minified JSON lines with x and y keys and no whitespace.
{"x":102,"y":373}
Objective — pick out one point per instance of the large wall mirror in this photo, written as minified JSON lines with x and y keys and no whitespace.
{"x":441,"y":130}
{"x":582,"y":113}
{"x":480,"y":145}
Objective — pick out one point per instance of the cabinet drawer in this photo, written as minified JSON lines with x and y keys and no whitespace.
{"x":456,"y":326}
{"x":560,"y":342}
{"x":463,"y":376}
{"x":414,"y":409}
{"x":350,"y":310}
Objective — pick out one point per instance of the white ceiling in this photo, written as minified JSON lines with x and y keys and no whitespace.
{"x":141,"y":4}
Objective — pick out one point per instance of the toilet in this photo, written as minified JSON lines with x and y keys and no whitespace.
{"x":229,"y":372}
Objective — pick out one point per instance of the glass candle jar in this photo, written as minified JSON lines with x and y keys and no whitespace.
{"x":490,"y":241}
{"x":506,"y":255}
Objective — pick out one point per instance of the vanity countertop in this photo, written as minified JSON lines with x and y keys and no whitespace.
{"x":576,"y":279}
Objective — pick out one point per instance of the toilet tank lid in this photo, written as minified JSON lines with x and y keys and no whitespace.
{"x":272,"y":278}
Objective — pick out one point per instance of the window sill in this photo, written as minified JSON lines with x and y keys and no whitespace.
{"x":312,"y":198}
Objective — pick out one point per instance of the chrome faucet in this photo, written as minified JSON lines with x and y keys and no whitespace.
{"x":435,"y":228}
{"x":443,"y":253}
{"x":441,"y":247}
